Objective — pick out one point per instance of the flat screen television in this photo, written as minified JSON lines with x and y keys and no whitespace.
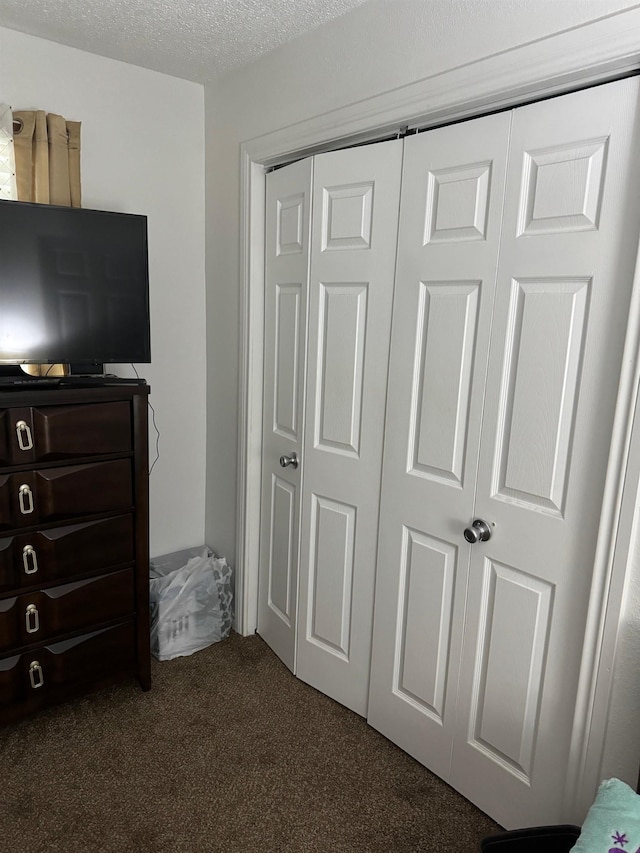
{"x":74,"y":286}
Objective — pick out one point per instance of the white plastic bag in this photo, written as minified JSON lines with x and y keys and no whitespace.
{"x":191,"y":604}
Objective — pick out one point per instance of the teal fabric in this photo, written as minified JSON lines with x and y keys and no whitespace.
{"x":613,"y":822}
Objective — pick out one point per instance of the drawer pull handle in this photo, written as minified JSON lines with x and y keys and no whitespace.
{"x":29,"y":552}
{"x":25,"y":439}
{"x":25,"y":498}
{"x":35,"y":674}
{"x":32,"y":618}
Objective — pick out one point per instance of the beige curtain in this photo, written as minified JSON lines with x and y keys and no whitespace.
{"x":47,"y":153}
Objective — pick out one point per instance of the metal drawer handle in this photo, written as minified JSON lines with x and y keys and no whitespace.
{"x":32,"y":618}
{"x":29,"y":552}
{"x":35,"y":674}
{"x":25,"y":499}
{"x":25,"y":439}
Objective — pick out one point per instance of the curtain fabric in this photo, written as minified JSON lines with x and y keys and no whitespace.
{"x":47,"y":154}
{"x":8,"y":188}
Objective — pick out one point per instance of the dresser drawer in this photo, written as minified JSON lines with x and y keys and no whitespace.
{"x":53,"y":494}
{"x":62,"y":552}
{"x":50,"y":433}
{"x":44,"y":614}
{"x":47,"y":674}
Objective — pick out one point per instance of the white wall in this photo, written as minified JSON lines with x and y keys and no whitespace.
{"x":382,"y":46}
{"x":142,"y":152}
{"x":379,"y":47}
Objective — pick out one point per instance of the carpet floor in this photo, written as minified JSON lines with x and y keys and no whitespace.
{"x":227,"y":752}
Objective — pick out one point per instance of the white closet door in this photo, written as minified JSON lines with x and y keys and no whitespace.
{"x":286,"y":280}
{"x":565,"y":275}
{"x":355,"y":213}
{"x":451,"y":212}
{"x":567,"y":254}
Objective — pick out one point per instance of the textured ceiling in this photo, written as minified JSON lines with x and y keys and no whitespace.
{"x":198,"y":40}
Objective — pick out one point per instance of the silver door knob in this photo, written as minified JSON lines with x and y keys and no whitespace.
{"x":479,"y":531}
{"x":289,"y":460}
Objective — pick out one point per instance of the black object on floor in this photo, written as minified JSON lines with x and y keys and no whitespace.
{"x":550,"y":839}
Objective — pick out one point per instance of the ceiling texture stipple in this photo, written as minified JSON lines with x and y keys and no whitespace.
{"x":198,"y":40}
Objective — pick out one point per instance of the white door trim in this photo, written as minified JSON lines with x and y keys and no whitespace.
{"x":589,"y":54}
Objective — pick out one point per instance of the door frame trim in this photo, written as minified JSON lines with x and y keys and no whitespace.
{"x":589,"y":54}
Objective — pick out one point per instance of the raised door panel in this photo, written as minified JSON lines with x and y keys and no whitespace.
{"x":509,"y":667}
{"x":449,"y":237}
{"x":329,"y":603}
{"x":565,"y":277}
{"x":282,"y":566}
{"x":287,"y":270}
{"x":288,"y":358}
{"x":61,"y":552}
{"x":44,"y":614}
{"x":534,"y":440}
{"x":424,"y":623}
{"x":356,"y":199}
{"x":340,"y":369}
{"x":447,"y":323}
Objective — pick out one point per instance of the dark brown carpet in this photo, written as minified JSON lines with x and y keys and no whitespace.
{"x":227,"y":752}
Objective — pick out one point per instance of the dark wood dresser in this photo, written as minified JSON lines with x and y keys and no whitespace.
{"x":74,"y":543}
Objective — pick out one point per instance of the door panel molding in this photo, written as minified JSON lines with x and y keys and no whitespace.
{"x":425,"y":603}
{"x":516,"y":606}
{"x":281,"y":566}
{"x":538,"y":478}
{"x":445,"y":344}
{"x":342,"y":337}
{"x":331,"y":565}
{"x":286,"y":386}
{"x":542,"y":212}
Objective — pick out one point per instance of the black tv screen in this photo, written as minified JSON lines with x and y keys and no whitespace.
{"x":74,"y":285}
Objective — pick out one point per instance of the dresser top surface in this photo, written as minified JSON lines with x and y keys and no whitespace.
{"x":58,"y":395}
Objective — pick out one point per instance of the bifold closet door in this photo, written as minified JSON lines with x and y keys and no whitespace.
{"x":355,"y":214}
{"x":451,"y":216}
{"x":565,"y":277}
{"x":320,"y":512}
{"x":480,"y":645}
{"x":286,"y":281}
